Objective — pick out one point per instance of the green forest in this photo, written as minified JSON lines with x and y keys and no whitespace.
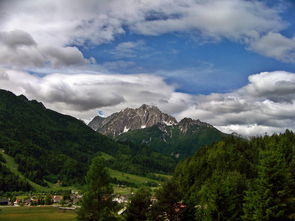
{"x":171,"y":139}
{"x":54,"y":147}
{"x":234,"y":179}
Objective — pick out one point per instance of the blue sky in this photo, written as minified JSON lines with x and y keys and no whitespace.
{"x":207,"y":65}
{"x":218,"y":60}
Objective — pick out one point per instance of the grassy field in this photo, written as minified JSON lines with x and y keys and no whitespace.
{"x":130,"y":178}
{"x":35,"y":214}
{"x":13,"y":167}
{"x":139,"y":180}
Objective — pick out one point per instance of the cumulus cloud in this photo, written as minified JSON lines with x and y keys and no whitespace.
{"x":254,"y":109}
{"x":16,"y":38}
{"x":19,"y":49}
{"x":275,"y":86}
{"x":266,"y":104}
{"x":82,"y":94}
{"x":275,"y":45}
{"x":78,"y":22}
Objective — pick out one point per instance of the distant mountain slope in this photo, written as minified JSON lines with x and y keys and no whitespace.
{"x":56,"y":147}
{"x":149,"y":126}
{"x":180,"y":140}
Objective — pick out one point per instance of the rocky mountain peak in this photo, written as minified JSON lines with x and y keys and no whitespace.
{"x":187,"y":123}
{"x":96,"y":122}
{"x":131,"y":119}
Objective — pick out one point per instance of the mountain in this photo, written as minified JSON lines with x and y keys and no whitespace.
{"x":130,"y":119}
{"x":149,"y":126}
{"x":54,"y":147}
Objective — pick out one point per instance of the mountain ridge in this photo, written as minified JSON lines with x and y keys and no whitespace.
{"x":130,"y":119}
{"x":147,"y":125}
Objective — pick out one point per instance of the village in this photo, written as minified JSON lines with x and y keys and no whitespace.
{"x":70,"y":199}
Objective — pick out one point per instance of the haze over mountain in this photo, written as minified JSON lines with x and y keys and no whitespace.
{"x":149,"y":126}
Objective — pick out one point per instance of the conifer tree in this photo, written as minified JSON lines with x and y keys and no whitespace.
{"x":139,"y":205}
{"x":269,"y":194}
{"x":97,"y":202}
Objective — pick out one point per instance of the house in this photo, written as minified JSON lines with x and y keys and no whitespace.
{"x":17,"y":202}
{"x":121,"y":211}
{"x":4,"y":201}
{"x":57,"y":198}
{"x":179,"y":207}
{"x":121,"y":199}
{"x":27,"y":202}
{"x":154,"y":199}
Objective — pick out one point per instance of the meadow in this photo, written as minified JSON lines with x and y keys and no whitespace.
{"x":35,"y":214}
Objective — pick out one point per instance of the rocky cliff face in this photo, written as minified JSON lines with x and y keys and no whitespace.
{"x":131,"y":119}
{"x":149,"y":126}
{"x":187,"y":123}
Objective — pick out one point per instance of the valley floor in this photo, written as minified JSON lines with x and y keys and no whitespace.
{"x":44,"y":213}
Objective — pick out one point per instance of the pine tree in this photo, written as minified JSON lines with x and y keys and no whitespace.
{"x":168,"y":196}
{"x":138,"y":207}
{"x":97,"y":202}
{"x":268,"y":196}
{"x":220,"y":198}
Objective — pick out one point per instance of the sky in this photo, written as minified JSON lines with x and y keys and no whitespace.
{"x":230,"y":63}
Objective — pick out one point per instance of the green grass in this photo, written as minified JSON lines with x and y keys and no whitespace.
{"x":123,"y":190}
{"x":138,"y":180}
{"x":131,"y":178}
{"x":35,"y":214}
{"x":13,"y":167}
{"x":106,"y":156}
{"x":165,"y":176}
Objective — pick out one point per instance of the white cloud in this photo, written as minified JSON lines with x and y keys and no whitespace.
{"x":82,"y":94}
{"x":129,"y":49}
{"x":266,"y":104}
{"x":18,"y":49}
{"x":251,"y":110}
{"x":275,"y":45}
{"x":62,"y":23}
{"x":277,"y":84}
{"x":16,"y":38}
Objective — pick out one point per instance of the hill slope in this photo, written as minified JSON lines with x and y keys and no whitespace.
{"x":236,"y":179}
{"x":56,"y":147}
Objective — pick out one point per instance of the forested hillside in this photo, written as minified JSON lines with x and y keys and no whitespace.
{"x":58,"y":148}
{"x":181,"y":140}
{"x":235,"y":179}
{"x":10,"y":181}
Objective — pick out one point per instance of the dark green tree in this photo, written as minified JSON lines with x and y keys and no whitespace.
{"x":168,"y":196}
{"x":48,"y":200}
{"x":139,"y":206}
{"x":269,"y":195}
{"x":97,"y":204}
{"x":221,"y":197}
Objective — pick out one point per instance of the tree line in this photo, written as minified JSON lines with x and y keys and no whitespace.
{"x":234,"y":179}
